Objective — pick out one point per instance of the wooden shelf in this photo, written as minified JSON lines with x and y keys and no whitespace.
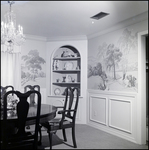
{"x":66,"y":83}
{"x":66,"y":71}
{"x":66,"y":58}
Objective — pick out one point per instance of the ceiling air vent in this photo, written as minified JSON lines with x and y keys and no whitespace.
{"x":100,"y":15}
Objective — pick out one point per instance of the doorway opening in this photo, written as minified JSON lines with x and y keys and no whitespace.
{"x":142,"y":89}
{"x":147,"y":98}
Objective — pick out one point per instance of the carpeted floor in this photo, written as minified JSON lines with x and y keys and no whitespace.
{"x":89,"y":138}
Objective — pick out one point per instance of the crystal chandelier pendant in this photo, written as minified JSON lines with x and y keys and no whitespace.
{"x":10,"y":36}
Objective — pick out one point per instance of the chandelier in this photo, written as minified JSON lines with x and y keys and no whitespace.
{"x":10,"y":36}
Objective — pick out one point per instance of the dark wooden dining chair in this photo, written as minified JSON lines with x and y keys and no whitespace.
{"x":32,"y":102}
{"x":4,"y":89}
{"x":21,"y":138}
{"x":68,"y":117}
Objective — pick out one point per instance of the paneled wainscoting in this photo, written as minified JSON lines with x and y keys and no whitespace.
{"x":113,"y":112}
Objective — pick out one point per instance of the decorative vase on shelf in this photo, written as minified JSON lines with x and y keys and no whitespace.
{"x":64,"y":78}
{"x":55,"y":64}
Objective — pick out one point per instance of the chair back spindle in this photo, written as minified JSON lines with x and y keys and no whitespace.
{"x":31,"y":88}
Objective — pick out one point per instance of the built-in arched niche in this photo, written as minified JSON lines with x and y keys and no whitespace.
{"x":66,"y":70}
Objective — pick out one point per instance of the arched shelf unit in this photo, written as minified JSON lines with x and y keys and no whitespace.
{"x":66,"y":70}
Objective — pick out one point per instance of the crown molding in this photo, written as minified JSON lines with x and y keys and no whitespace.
{"x":122,"y":24}
{"x":67,"y":38}
{"x":58,"y":38}
{"x":35,"y":37}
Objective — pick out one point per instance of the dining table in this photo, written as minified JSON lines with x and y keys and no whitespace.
{"x":47,"y":113}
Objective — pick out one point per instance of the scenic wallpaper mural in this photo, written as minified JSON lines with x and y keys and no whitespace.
{"x":33,"y":69}
{"x":114,"y":66}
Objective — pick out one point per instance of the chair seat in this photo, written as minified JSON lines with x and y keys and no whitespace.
{"x":55,"y":124}
{"x":55,"y":120}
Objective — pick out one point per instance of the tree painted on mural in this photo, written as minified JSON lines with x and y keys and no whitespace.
{"x":95,"y":66}
{"x":127,"y":43}
{"x":102,"y":50}
{"x":113,"y":56}
{"x":33,"y":65}
{"x":107,"y":60}
{"x":99,"y":73}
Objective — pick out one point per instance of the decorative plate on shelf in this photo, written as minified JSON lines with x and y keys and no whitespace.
{"x":68,"y":65}
{"x":57,"y":91}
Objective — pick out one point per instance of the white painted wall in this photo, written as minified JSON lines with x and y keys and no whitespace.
{"x":36,"y":43}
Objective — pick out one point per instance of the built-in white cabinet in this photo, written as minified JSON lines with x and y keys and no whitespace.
{"x":66,"y":70}
{"x":71,"y":56}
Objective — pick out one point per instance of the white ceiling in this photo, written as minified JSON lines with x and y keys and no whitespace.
{"x":71,"y":18}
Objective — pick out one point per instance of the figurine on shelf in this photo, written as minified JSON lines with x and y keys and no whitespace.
{"x":62,"y":55}
{"x":55,"y":64}
{"x":73,"y":80}
{"x":75,"y":54}
{"x":57,"y":80}
{"x":78,"y":67}
{"x":66,"y":54}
